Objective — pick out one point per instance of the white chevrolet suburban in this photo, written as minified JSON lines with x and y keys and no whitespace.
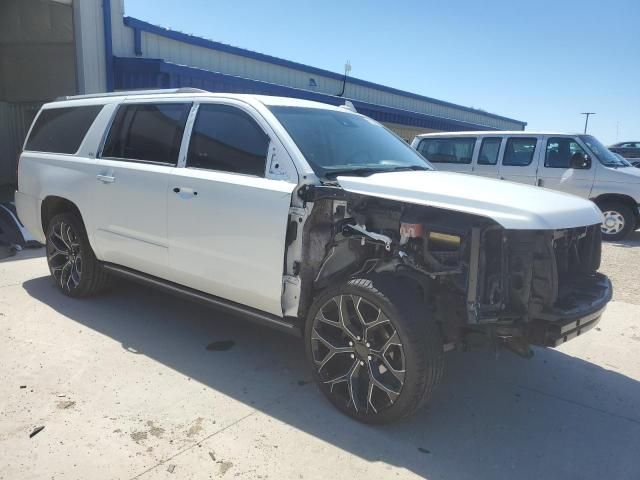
{"x":571,"y":163}
{"x":314,"y":220}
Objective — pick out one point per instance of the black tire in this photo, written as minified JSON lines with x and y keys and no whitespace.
{"x":420,"y":352}
{"x":71,"y":260}
{"x":621,"y":213}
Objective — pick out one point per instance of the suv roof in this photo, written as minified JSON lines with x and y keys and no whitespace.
{"x":493,"y":133}
{"x":186,"y":93}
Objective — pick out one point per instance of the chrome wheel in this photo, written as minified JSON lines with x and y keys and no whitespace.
{"x":357,"y":354}
{"x":613,"y":223}
{"x":64,"y":255}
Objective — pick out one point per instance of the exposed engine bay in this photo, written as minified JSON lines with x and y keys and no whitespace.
{"x":480,"y":281}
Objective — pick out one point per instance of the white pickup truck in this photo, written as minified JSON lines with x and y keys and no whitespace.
{"x":314,"y":220}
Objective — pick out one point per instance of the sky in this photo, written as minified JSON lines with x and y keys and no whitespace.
{"x":543,"y":62}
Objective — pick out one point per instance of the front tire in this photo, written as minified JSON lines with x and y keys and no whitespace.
{"x":373,"y":348}
{"x":72,"y":263}
{"x":619,"y":221}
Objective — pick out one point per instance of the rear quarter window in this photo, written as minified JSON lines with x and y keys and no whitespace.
{"x":61,"y":130}
{"x":447,"y":150}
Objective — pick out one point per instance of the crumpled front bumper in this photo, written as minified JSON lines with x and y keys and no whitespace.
{"x":582,"y":310}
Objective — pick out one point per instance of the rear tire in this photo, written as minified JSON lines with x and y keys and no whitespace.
{"x":619,"y":220}
{"x":374,"y":349}
{"x":72,"y":263}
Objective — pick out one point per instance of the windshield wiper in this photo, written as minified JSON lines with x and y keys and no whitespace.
{"x":410,"y":167}
{"x":366,"y":171}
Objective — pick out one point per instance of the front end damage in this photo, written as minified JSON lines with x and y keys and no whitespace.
{"x":482,"y":281}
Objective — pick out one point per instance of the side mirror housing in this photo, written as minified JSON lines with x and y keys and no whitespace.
{"x":580,"y":160}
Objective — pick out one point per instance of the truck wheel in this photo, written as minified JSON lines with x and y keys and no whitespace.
{"x":71,"y":260}
{"x":618,"y":222}
{"x":373,"y":348}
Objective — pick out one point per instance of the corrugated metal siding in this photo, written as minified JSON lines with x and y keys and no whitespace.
{"x":159,"y":46}
{"x":155,"y":46}
{"x":89,"y":33}
{"x":15,"y":120}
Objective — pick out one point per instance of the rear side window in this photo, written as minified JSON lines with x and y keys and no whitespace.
{"x":147,"y":132}
{"x":61,"y":130}
{"x":489,"y":150}
{"x":447,"y":150}
{"x":519,"y":151}
{"x":225,"y":138}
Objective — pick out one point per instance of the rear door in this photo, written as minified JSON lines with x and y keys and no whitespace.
{"x":486,"y":159}
{"x":228,"y":208}
{"x":555,"y":170}
{"x":453,"y":154}
{"x":520,"y":157}
{"x":139,"y":155}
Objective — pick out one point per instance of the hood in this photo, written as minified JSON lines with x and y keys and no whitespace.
{"x":512,"y":205}
{"x":623,"y":174}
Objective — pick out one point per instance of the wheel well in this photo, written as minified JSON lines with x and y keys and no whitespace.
{"x":617,"y":198}
{"x":52,"y":206}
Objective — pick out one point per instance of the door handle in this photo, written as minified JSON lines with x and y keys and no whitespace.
{"x":106,"y":178}
{"x":185,"y":191}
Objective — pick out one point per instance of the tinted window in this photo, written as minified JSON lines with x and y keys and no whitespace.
{"x":340,"y":142}
{"x":519,"y":151}
{"x":559,"y":152}
{"x":447,"y":150}
{"x":149,"y":132}
{"x":489,"y":151}
{"x":227,"y":139}
{"x":61,"y":130}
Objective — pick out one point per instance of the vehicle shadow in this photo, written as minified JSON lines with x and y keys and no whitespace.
{"x":632,"y":240}
{"x":555,"y":416}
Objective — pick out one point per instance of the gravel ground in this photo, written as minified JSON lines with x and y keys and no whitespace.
{"x":621,"y":262}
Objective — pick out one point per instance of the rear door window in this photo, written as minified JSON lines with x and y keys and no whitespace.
{"x":147,"y":132}
{"x":61,"y":130}
{"x":447,"y":150}
{"x":226,"y":139}
{"x":519,"y":151}
{"x":489,"y":150}
{"x":559,"y":152}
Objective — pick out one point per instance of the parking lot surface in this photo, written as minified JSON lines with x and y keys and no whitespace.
{"x":138,"y":384}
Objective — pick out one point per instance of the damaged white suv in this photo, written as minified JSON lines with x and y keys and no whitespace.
{"x":315,"y":220}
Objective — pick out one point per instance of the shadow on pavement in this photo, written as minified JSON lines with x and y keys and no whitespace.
{"x":632,"y":240}
{"x":554,"y":416}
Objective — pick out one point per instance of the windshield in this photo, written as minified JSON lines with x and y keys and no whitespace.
{"x":336,"y":143}
{"x":602,"y":153}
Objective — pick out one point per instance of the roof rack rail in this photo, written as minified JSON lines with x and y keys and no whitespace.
{"x":126,"y":93}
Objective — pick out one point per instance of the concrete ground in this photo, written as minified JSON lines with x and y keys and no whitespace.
{"x":125,"y":387}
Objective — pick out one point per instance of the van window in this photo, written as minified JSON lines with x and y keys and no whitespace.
{"x":147,"y":132}
{"x":225,"y":138}
{"x":489,"y":150}
{"x":559,"y":152}
{"x":447,"y":150}
{"x":519,"y":151}
{"x":61,"y":130}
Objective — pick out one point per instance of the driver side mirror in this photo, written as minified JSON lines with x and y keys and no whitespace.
{"x":580,"y":160}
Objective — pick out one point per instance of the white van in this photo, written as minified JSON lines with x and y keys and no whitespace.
{"x":572,"y":163}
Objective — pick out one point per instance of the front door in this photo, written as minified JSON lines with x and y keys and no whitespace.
{"x":520,"y":159}
{"x":130,"y":205}
{"x":227,"y":218}
{"x":556,"y":172}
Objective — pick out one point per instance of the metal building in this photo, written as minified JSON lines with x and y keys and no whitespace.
{"x":59,"y":47}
